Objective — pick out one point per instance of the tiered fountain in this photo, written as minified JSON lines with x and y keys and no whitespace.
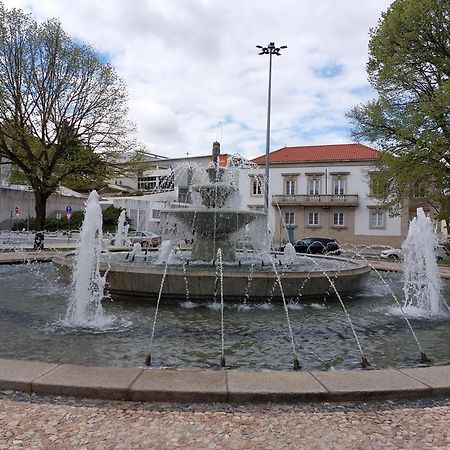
{"x":215,"y":223}
{"x":382,"y":320}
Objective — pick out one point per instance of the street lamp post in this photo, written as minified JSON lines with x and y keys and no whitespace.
{"x":269,"y":50}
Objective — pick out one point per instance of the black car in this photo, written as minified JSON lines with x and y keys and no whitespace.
{"x":317,"y":245}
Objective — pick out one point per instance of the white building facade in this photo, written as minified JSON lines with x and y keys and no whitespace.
{"x":323,"y":191}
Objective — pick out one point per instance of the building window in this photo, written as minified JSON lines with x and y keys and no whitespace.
{"x":256,"y":185}
{"x":377,"y":219}
{"x":289,"y":218}
{"x":147,"y":183}
{"x":289,"y":187}
{"x":314,"y":186}
{"x":338,"y":219}
{"x":339,"y":186}
{"x":313,"y":218}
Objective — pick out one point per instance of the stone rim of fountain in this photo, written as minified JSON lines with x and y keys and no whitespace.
{"x":227,"y":386}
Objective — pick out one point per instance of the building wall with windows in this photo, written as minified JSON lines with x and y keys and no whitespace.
{"x":329,"y":198}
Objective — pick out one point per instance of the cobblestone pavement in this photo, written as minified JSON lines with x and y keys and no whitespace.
{"x":38,"y":422}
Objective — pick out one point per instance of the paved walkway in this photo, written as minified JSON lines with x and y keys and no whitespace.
{"x":62,"y":423}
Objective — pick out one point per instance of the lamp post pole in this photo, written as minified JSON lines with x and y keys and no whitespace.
{"x":269,"y":50}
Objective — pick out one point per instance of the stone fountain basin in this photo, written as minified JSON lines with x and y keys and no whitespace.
{"x":145,"y":281}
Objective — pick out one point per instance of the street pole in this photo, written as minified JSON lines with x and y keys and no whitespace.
{"x":269,"y":50}
{"x":266,"y":179}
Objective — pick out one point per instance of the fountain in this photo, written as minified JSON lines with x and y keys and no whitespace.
{"x":257,"y":332}
{"x":88,"y":285}
{"x":422,"y":282}
{"x":217,"y":221}
{"x":121,"y":236}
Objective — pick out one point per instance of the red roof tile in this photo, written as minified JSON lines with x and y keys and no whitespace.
{"x":310,"y":153}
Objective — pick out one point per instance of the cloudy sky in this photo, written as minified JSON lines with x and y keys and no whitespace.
{"x":194,"y":75}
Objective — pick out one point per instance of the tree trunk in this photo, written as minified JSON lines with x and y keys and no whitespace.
{"x":41,"y":212}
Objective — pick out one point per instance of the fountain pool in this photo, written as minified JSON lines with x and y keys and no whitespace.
{"x":255,"y":308}
{"x":34,"y":302}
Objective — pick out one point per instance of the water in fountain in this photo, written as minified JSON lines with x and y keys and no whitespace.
{"x":422,"y":285}
{"x":88,"y":286}
{"x":121,"y":236}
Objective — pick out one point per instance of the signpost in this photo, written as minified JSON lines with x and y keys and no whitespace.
{"x":68,"y":215}
{"x":58,"y":218}
{"x":17,"y":212}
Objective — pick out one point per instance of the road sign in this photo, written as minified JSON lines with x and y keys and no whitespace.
{"x":68,"y":209}
{"x":17,"y":212}
{"x":68,"y":215}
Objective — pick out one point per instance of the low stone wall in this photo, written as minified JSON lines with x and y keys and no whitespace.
{"x":24,"y":200}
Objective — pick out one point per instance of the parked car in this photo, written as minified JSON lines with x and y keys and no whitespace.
{"x":394,"y":254}
{"x":317,"y":245}
{"x":397,"y":254}
{"x":145,"y":238}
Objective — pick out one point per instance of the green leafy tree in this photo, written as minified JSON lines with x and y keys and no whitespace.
{"x":62,"y":109}
{"x":409,"y":67}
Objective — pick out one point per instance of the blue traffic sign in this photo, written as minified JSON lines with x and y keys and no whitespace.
{"x":68,"y":209}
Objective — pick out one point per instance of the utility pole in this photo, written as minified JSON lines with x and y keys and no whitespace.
{"x":269,"y":50}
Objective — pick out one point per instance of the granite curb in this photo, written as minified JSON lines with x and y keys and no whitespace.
{"x":232,"y":386}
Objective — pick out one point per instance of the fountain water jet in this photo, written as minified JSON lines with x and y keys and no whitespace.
{"x":85,"y":307}
{"x":121,"y":236}
{"x":422,"y":284}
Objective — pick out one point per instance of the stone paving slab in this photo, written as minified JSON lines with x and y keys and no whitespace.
{"x":180,"y":385}
{"x":19,"y":375}
{"x":370,"y":384}
{"x":87,"y":381}
{"x":437,"y":377}
{"x":273,"y":386}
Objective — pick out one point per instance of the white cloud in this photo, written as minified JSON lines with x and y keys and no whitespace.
{"x":190,"y":64}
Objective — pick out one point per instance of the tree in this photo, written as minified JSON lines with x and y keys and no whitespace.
{"x":409,"y":67}
{"x":62,"y":109}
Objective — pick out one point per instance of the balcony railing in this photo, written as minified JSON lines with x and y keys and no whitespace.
{"x":319,"y":200}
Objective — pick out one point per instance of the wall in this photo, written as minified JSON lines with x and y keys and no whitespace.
{"x":11,"y":197}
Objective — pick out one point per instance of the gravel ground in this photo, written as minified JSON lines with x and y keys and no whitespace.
{"x":39,"y":422}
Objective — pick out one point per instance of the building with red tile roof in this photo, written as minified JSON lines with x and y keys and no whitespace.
{"x":323,"y":190}
{"x":312,"y":153}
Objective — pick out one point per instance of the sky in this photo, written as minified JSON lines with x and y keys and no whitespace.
{"x":194,"y":75}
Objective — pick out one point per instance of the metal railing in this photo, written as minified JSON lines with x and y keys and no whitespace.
{"x":320,"y":199}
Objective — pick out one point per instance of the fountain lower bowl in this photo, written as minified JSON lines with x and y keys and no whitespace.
{"x":239,"y":283}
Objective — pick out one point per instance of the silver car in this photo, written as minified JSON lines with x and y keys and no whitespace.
{"x":397,"y":254}
{"x":145,"y":238}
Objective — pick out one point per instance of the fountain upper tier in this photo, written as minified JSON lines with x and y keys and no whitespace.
{"x":215,"y":222}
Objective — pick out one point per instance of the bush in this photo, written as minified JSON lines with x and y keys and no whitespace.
{"x":110,"y":220}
